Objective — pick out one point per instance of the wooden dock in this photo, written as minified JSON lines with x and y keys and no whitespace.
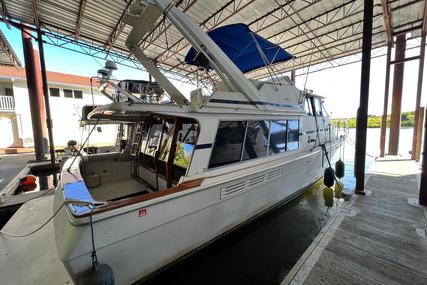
{"x":379,"y":238}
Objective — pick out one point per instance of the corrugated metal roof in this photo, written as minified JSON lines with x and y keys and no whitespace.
{"x":315,"y":31}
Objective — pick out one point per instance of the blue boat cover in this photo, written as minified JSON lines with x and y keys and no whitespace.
{"x":237,"y":42}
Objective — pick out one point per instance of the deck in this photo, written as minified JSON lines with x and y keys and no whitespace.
{"x":374,"y":239}
{"x":32,"y":259}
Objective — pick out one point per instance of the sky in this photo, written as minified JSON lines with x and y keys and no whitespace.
{"x":340,"y":85}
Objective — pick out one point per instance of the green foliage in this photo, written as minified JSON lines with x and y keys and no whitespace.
{"x":180,"y":158}
{"x":407,"y":121}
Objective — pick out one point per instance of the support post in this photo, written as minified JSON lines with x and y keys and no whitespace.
{"x":39,"y":87}
{"x":420,"y":125}
{"x":385,"y":109}
{"x":293,"y":75}
{"x":418,"y":100}
{"x":362,"y":112}
{"x":33,"y":95}
{"x":396,"y":104}
{"x":423,"y":183}
{"x":46,"y":97}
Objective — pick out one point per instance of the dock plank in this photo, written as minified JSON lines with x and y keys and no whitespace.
{"x":32,"y":259}
{"x":378,"y":244}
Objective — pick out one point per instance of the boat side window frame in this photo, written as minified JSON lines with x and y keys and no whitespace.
{"x":182,"y":121}
{"x":268,"y":139}
{"x":244,"y":141}
{"x":241,"y":149}
{"x":308,"y":106}
{"x":287,"y":134}
{"x":317,"y":113}
{"x":270,"y":123}
{"x":253,"y":144}
{"x":167,"y":176}
{"x":324,"y":112}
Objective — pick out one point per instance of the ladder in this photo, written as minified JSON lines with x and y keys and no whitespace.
{"x":136,"y":149}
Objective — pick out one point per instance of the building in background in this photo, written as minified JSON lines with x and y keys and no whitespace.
{"x":68,"y":94}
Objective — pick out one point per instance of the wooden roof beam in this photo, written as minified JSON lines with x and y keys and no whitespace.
{"x":424,"y":28}
{"x":118,"y":28}
{"x":80,"y":18}
{"x":387,"y":22}
{"x":35,"y":13}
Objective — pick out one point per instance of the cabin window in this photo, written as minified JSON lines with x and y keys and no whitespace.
{"x":54,"y":92}
{"x":278,"y":136}
{"x":307,"y":107}
{"x":228,"y":143}
{"x":324,"y":110}
{"x":153,"y":143}
{"x":68,"y":93}
{"x":185,"y":142}
{"x":256,"y":140}
{"x":165,"y":145}
{"x":145,"y":130}
{"x":318,"y":106}
{"x":166,"y":148}
{"x":293,"y":135}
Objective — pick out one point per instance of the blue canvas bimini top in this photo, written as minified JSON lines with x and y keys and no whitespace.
{"x":237,"y":41}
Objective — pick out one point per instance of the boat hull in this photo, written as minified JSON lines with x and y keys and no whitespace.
{"x":139,"y":239}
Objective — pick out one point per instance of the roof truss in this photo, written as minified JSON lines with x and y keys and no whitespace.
{"x":315,"y":31}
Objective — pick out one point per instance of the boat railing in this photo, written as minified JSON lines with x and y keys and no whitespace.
{"x":341,"y":127}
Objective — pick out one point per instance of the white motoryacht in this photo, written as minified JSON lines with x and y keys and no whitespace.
{"x":193,"y":170}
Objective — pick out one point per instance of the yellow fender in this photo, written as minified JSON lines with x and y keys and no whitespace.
{"x":328,"y":196}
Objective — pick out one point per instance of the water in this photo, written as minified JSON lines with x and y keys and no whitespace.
{"x":263,"y":251}
{"x":45,"y":183}
{"x":372,"y":150}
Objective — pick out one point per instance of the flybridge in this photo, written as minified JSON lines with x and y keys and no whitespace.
{"x":218,"y":50}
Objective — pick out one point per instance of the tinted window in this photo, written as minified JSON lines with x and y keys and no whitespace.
{"x":78,"y":94}
{"x":166,"y":140}
{"x":228,"y":143}
{"x":186,"y":140}
{"x":318,"y":106}
{"x":277,"y":137}
{"x":324,"y":110}
{"x":154,"y":137}
{"x":256,"y":139}
{"x":165,"y":146}
{"x":68,"y":93}
{"x":144,"y":129}
{"x":54,"y":92}
{"x":293,"y":134}
{"x":307,"y":107}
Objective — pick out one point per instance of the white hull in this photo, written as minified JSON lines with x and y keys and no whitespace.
{"x":176,"y":224}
